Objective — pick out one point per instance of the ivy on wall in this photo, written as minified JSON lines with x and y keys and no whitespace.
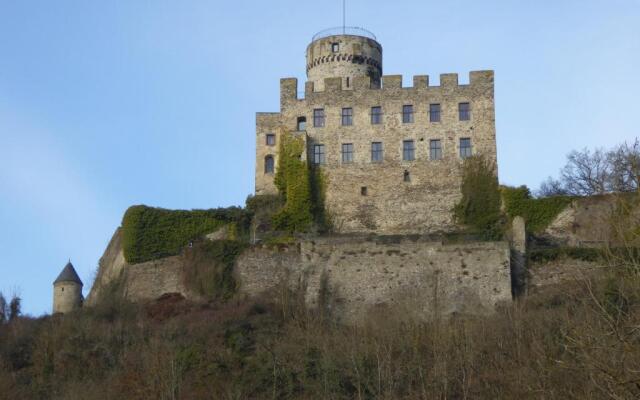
{"x":150,"y":233}
{"x":537,"y":213}
{"x":479,"y":207}
{"x":300,"y":185}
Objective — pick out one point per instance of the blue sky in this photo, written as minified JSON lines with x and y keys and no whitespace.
{"x":106,"y":104}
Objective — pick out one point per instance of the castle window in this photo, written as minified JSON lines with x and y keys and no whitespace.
{"x":464,"y":111}
{"x":435,"y":149}
{"x":434,"y":112}
{"x":347,"y":153}
{"x":407,"y":114}
{"x":269,"y":164}
{"x":301,"y":123}
{"x":376,"y":115}
{"x":348,"y":82}
{"x":335,"y":47}
{"x":271,"y":139}
{"x":408,"y":150}
{"x":318,"y":154}
{"x":363,"y":190}
{"x":318,"y":117}
{"x":347,"y":116}
{"x":407,"y":176}
{"x":465,"y":148}
{"x":376,"y":152}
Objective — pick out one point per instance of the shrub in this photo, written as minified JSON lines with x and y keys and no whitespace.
{"x":151,"y":233}
{"x":479,"y":208}
{"x":537,"y":213}
{"x":208,"y":268}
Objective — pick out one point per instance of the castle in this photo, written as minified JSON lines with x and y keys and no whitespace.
{"x":391,"y":154}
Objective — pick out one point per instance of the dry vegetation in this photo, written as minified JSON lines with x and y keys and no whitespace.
{"x":579,"y":341}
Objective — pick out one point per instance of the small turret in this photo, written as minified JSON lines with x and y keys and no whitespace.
{"x":67,"y":290}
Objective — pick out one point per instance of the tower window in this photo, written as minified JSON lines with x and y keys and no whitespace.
{"x":363,"y":190}
{"x":271,"y":139}
{"x":465,"y":148}
{"x":318,"y":117}
{"x":318,"y":154}
{"x":464,"y":111}
{"x":407,"y":176}
{"x":376,"y":152}
{"x":435,"y":149}
{"x":376,"y":115}
{"x":434,"y":112}
{"x":347,"y":116}
{"x":348,"y":82}
{"x":407,"y":114}
{"x":269,"y":164}
{"x":301,"y":124}
{"x":408,"y":150}
{"x":347,"y":153}
{"x":335,"y":47}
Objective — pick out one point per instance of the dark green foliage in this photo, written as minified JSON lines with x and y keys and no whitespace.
{"x":151,"y":233}
{"x":263,"y":208}
{"x":479,"y":208}
{"x":537,"y":213}
{"x":576,"y":253}
{"x":208,"y":268}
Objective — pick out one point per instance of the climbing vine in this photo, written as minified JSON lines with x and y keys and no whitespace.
{"x":537,"y":213}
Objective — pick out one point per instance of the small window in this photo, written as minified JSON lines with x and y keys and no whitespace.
{"x":269,"y":164}
{"x":407,"y":176}
{"x":363,"y":190}
{"x":347,"y":153}
{"x":301,"y":124}
{"x":408,"y":150}
{"x":318,"y":154}
{"x":407,"y":114}
{"x":271,"y":139}
{"x":347,"y":116}
{"x":376,"y":115}
{"x":318,"y":117}
{"x":348,"y":82}
{"x":62,"y":289}
{"x":376,"y":152}
{"x":465,"y":148}
{"x":335,"y":47}
{"x":434,"y":112}
{"x":435,"y":149}
{"x":464,"y":111}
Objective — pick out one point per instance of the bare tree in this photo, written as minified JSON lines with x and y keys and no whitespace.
{"x":551,"y":187}
{"x":624,"y":162}
{"x":3,"y":309}
{"x":15,"y":307}
{"x":586,"y":173}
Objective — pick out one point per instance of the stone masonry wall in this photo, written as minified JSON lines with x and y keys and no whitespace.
{"x":391,"y":205}
{"x":358,"y":275}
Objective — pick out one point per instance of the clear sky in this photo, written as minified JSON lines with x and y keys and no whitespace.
{"x":106,"y":104}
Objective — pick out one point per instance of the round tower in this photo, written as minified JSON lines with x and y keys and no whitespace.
{"x":67,"y":290}
{"x":344,"y":52}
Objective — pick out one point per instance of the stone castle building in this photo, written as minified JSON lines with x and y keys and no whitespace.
{"x":67,"y":290}
{"x":391,"y":154}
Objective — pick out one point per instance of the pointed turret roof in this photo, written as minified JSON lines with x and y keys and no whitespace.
{"x":68,"y":274}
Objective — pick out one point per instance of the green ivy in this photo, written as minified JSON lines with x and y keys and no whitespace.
{"x":543,"y":256}
{"x":537,"y":213}
{"x":294,"y":182}
{"x":150,"y":233}
{"x":479,"y":207}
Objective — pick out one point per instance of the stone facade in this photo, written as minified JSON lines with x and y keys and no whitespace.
{"x":67,"y":296}
{"x":394,"y":195}
{"x":353,"y":276}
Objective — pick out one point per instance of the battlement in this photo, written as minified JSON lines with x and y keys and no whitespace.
{"x":390,"y":83}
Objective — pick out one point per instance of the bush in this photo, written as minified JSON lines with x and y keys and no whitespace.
{"x":479,"y":208}
{"x":576,"y":253}
{"x":208,"y":268}
{"x":537,"y":213}
{"x":151,"y":233}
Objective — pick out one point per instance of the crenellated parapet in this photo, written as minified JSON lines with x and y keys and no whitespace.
{"x":478,"y":80}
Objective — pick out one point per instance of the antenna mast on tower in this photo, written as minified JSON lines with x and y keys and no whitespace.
{"x":344,"y":17}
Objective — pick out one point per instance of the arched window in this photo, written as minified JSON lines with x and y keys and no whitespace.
{"x":269,"y":164}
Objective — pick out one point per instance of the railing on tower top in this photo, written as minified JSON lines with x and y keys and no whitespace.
{"x":344,"y":30}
